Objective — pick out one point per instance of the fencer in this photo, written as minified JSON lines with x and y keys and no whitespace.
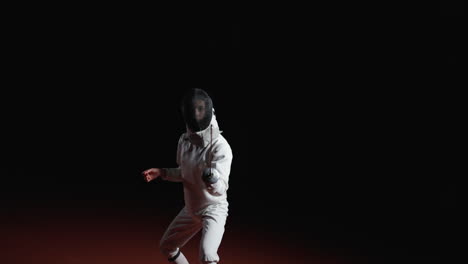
{"x":204,"y":160}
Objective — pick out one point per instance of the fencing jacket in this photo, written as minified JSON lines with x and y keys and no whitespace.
{"x":195,"y":150}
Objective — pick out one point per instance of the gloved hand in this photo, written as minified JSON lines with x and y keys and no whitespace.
{"x":208,"y":177}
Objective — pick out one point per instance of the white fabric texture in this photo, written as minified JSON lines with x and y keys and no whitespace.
{"x":206,"y":206}
{"x":186,"y":225}
{"x":194,"y":153}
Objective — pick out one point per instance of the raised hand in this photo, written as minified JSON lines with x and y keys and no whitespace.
{"x":151,"y":174}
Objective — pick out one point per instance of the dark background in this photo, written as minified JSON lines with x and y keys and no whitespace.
{"x":360,"y":168}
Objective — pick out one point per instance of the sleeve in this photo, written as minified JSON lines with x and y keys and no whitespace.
{"x":174,"y":174}
{"x":221,"y":165}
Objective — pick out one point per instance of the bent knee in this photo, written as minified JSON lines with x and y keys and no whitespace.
{"x":167,"y":249}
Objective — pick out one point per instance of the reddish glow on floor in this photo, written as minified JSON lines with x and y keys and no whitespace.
{"x":120,"y":236}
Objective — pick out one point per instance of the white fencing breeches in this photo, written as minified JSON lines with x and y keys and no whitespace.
{"x":186,"y":225}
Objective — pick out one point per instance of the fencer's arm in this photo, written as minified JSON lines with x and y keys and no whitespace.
{"x":221,"y":168}
{"x":174,"y":174}
{"x":171,"y":174}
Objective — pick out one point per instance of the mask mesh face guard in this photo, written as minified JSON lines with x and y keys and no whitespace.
{"x":197,"y":109}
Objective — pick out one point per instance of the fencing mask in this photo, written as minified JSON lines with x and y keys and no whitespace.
{"x":197,"y":109}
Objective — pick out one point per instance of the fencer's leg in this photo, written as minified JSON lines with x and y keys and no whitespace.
{"x":178,"y":258}
{"x":209,"y":262}
{"x":179,"y":232}
{"x":212,"y":234}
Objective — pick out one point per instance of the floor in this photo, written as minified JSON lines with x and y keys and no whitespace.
{"x":109,"y":234}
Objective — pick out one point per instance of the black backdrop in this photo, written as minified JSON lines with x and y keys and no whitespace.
{"x":311,"y":161}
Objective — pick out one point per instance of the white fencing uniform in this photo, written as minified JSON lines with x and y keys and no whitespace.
{"x":206,"y":206}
